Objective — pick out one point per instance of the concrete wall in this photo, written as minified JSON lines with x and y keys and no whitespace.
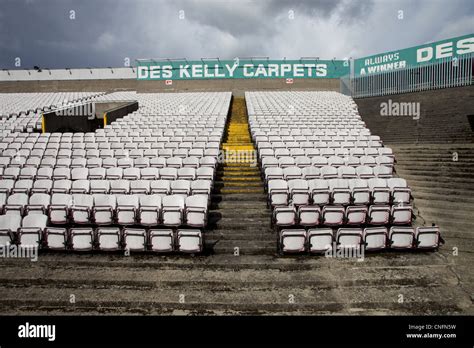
{"x":68,"y":74}
{"x":237,"y":86}
{"x":67,"y":86}
{"x":443,"y":117}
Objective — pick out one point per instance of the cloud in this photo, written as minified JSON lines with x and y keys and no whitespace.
{"x":104,"y":33}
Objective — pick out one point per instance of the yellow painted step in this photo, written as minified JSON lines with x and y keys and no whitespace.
{"x":237,"y":147}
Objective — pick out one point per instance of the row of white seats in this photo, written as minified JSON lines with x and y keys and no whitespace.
{"x":108,"y":153}
{"x":32,"y":231}
{"x":162,"y":186}
{"x":325,"y":240}
{"x":107,"y":162}
{"x":128,"y":143}
{"x":108,"y":209}
{"x":313,"y":215}
{"x":303,"y":170}
{"x":338,"y":191}
{"x":285,"y":159}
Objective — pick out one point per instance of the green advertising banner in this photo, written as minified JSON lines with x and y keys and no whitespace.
{"x":240,"y":69}
{"x":414,"y":56}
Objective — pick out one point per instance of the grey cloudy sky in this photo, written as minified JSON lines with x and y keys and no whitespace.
{"x":106,"y":32}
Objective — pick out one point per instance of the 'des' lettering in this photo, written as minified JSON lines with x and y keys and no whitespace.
{"x":445,"y":50}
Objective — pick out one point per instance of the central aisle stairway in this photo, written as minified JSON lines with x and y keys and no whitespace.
{"x":239,"y":216}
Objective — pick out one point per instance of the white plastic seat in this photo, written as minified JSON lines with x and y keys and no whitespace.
{"x":298,"y":190}
{"x":38,"y":203}
{"x":23,"y":186}
{"x":172,"y":210}
{"x":109,"y":162}
{"x":328,"y":172}
{"x":346,"y":172}
{"x":378,"y":215}
{"x":16,"y":203}
{"x":208,"y":161}
{"x":319,"y":189}
{"x":44,"y":173}
{"x":293,"y":240}
{"x":379,"y":191}
{"x":127,"y":209}
{"x":356,"y":215}
{"x":309,"y":215}
{"x":149,"y":209}
{"x":365,"y":172}
{"x":114,"y":173}
{"x":196,"y":210}
{"x":352,"y":161}
{"x":310,"y":172}
{"x":109,"y":238}
{"x":290,"y":173}
{"x":286,"y":161}
{"x":320,"y":240}
{"x":82,"y":239}
{"x":61,"y":186}
{"x":81,"y":208}
{"x":119,"y":186}
{"x":158,"y":162}
{"x":135,"y":239}
{"x":79,"y":174}
{"x":336,"y":161}
{"x":169,"y":173}
{"x":61,"y":173}
{"x":272,"y":173}
{"x":268,"y":162}
{"x":140,"y":186}
{"x":97,"y":173}
{"x":56,"y":238}
{"x":99,"y":186}
{"x":375,"y":238}
{"x":278,"y":192}
{"x":80,"y":186}
{"x":132,"y":173}
{"x":125,"y":162}
{"x":189,"y":241}
{"x":340,"y":192}
{"x":401,"y":215}
{"x":59,"y":208}
{"x":187,"y":173}
{"x":205,"y":173}
{"x":427,"y":237}
{"x":174,"y":162}
{"x":319,"y":161}
{"x":359,"y":191}
{"x":383,"y":171}
{"x":161,"y":240}
{"x":9,"y":225}
{"x":41,"y":186}
{"x":31,"y":230}
{"x":284,"y":216}
{"x":333,"y":215}
{"x":349,"y":238}
{"x":104,"y":208}
{"x":202,"y":187}
{"x":384,"y":161}
{"x":79,"y":163}
{"x":401,"y":237}
{"x":11,"y":173}
{"x":162,"y":187}
{"x":149,"y":173}
{"x":400,"y":192}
